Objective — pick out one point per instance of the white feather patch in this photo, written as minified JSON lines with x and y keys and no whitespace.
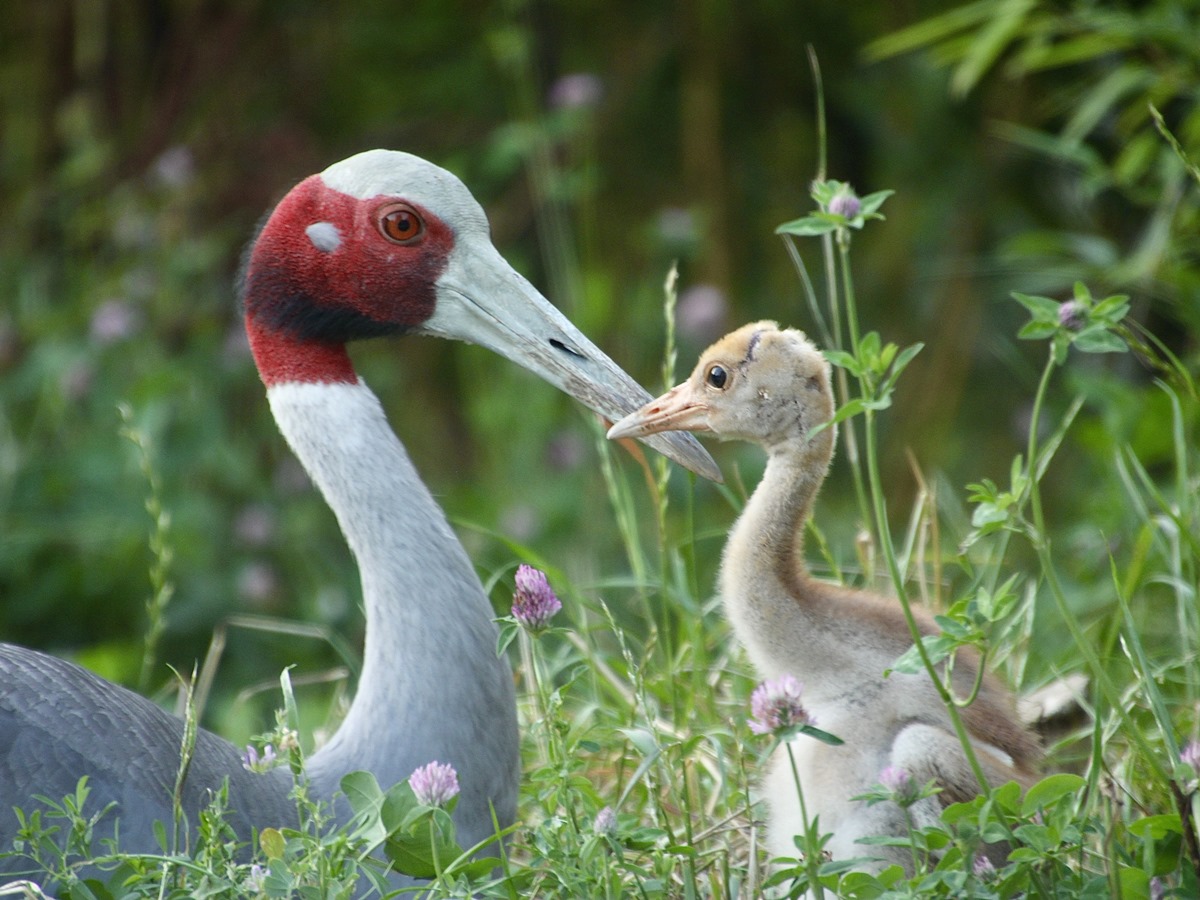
{"x":324,"y":236}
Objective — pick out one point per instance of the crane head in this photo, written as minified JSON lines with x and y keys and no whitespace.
{"x":387,"y":243}
{"x":760,"y":383}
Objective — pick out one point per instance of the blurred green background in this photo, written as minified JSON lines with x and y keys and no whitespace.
{"x":141,"y":140}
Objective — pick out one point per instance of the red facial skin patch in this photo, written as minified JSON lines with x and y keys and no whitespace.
{"x":303,"y":303}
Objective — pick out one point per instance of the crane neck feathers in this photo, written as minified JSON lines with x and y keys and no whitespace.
{"x":424,"y":602}
{"x":768,"y":538}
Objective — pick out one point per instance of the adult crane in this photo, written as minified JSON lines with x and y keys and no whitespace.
{"x":382,"y":243}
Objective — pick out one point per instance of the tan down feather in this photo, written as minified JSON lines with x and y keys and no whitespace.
{"x":771,"y":386}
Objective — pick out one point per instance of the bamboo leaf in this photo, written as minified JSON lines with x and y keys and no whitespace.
{"x":989,"y":43}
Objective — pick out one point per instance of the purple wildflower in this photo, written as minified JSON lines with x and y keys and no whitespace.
{"x":900,"y":784}
{"x":174,"y":168}
{"x":578,"y":90}
{"x":605,"y":821}
{"x":1190,"y":755}
{"x":252,"y":762}
{"x":112,"y":321}
{"x":434,"y":784}
{"x":776,"y":705}
{"x":702,"y":312}
{"x":1071,"y":315}
{"x":677,"y":226}
{"x":257,"y":583}
{"x":534,"y":603}
{"x":844,"y":203}
{"x":255,"y":525}
{"x":255,"y":880}
{"x":983,"y":868}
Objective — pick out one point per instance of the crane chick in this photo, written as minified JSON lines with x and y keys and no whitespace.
{"x":771,"y":387}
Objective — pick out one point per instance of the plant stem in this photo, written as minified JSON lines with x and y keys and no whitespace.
{"x":850,"y":435}
{"x":812,"y":844}
{"x":878,"y":508}
{"x":889,"y":555}
{"x":912,"y":844}
{"x":542,"y":712}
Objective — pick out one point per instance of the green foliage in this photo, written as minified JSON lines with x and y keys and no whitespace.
{"x":824,"y":220}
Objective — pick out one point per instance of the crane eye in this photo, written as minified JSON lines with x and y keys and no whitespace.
{"x":401,"y":224}
{"x":716,"y":376}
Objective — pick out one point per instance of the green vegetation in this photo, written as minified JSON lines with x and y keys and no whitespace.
{"x":1026,"y":467}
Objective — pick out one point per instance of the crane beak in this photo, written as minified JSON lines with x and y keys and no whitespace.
{"x":482,"y":300}
{"x":679,"y":409}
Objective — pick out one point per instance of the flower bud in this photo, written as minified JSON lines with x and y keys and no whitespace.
{"x":845,"y":203}
{"x":1071,"y":315}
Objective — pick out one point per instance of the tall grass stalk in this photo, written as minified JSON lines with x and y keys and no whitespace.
{"x":162,"y":554}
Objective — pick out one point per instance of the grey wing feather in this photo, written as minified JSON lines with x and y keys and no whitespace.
{"x":59,"y":722}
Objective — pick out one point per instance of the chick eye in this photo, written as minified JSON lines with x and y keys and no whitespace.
{"x":401,"y":224}
{"x":717,"y":376}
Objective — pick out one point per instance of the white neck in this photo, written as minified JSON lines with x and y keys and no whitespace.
{"x":432,"y":686}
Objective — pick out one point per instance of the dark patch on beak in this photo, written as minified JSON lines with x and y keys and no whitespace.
{"x":559,"y":345}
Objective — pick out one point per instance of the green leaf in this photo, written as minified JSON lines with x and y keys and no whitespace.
{"x":824,"y":191}
{"x":362,"y":791}
{"x":1036,"y":330}
{"x":1043,"y":309}
{"x":989,"y":43}
{"x":1035,"y":836}
{"x":850,"y":408}
{"x":928,"y":32}
{"x":872,"y":202}
{"x":1157,"y":827}
{"x":412,"y":854}
{"x":823,"y":736}
{"x":869,"y":346}
{"x":1007,"y":796}
{"x":808,"y":226}
{"x":989,"y":513}
{"x":508,"y":632}
{"x":843,"y":360}
{"x":878,"y":403}
{"x":1050,"y":790}
{"x":1113,"y":309}
{"x":906,"y":356}
{"x":937,"y":646}
{"x":1135,"y":883}
{"x":953,"y":628}
{"x":272,"y":843}
{"x":1098,"y":339}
